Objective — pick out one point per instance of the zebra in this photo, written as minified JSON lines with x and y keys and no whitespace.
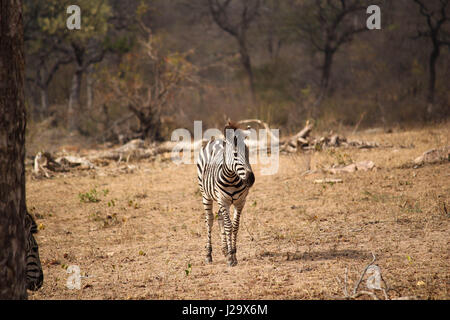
{"x":225,"y":176}
{"x":35,"y":275}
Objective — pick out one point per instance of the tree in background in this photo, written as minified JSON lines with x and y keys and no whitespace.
{"x":54,"y":44}
{"x":235,"y":19}
{"x":437,"y":16}
{"x":272,"y":27}
{"x":326,"y":26}
{"x":41,"y":49}
{"x":146,"y":81}
{"x":87,"y":48}
{"x":294,"y":54}
{"x":12,"y":153}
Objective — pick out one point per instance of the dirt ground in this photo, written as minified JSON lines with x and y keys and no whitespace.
{"x":144,"y":238}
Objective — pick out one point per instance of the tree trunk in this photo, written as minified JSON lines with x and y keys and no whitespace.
{"x":432,"y":79}
{"x":74,"y":99}
{"x":149,"y":122}
{"x":246,"y":62}
{"x":89,"y":86}
{"x":12,"y":153}
{"x":326,"y":71}
{"x":324,"y":81}
{"x":44,"y":101}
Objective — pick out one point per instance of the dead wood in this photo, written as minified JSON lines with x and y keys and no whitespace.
{"x":434,"y":156}
{"x":358,"y":166}
{"x":303,"y":141}
{"x":134,"y":149}
{"x":331,"y":181}
{"x":44,"y":163}
{"x":355,"y":293}
{"x":298,"y":140}
{"x":73,"y":161}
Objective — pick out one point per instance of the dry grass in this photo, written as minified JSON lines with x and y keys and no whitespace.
{"x":296,"y":237}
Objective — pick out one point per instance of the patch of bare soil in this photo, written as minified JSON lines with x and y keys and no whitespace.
{"x":137,"y":230}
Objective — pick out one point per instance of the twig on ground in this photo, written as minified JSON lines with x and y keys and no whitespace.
{"x":355,"y":289}
{"x":355,"y":294}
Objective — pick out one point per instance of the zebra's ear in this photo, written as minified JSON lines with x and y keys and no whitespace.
{"x":30,"y":224}
{"x":230,"y":126}
{"x":247,"y":132}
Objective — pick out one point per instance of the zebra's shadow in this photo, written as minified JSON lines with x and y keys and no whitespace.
{"x":319,"y":255}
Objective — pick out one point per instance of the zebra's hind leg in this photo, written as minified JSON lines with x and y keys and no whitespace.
{"x":209,"y":219}
{"x":222,"y":233}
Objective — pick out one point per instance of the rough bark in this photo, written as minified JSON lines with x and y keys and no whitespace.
{"x":12,"y":153}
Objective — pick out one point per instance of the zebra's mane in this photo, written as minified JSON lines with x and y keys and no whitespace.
{"x":230,"y":125}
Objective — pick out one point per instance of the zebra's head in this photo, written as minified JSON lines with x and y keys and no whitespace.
{"x":236,"y":154}
{"x":35,"y":275}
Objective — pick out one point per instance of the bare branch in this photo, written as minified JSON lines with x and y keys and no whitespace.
{"x":355,"y":294}
{"x":355,"y":289}
{"x":219,"y":14}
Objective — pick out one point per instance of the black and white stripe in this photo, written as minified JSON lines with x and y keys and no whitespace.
{"x":35,"y":276}
{"x":225,"y":176}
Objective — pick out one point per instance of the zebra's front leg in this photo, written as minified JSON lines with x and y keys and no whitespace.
{"x":228,"y":226}
{"x":222,"y":233}
{"x":209,"y":219}
{"x":237,"y":214}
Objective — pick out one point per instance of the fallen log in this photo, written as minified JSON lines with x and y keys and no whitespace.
{"x":358,"y":166}
{"x":262,"y":123}
{"x":38,"y":165}
{"x":73,"y":161}
{"x":44,"y":162}
{"x":327,"y":180}
{"x":133,"y":149}
{"x":298,"y":140}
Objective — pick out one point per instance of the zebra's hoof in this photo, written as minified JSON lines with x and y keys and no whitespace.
{"x":232,"y":261}
{"x":208,"y":259}
{"x":225,"y":252}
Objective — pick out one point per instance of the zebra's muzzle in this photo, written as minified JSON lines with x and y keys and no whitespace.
{"x":35,"y":284}
{"x":250,"y":180}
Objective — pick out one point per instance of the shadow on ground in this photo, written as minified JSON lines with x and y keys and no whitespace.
{"x":319,"y":255}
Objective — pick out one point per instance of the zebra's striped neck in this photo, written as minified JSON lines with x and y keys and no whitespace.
{"x":226,"y":171}
{"x":229,"y":175}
